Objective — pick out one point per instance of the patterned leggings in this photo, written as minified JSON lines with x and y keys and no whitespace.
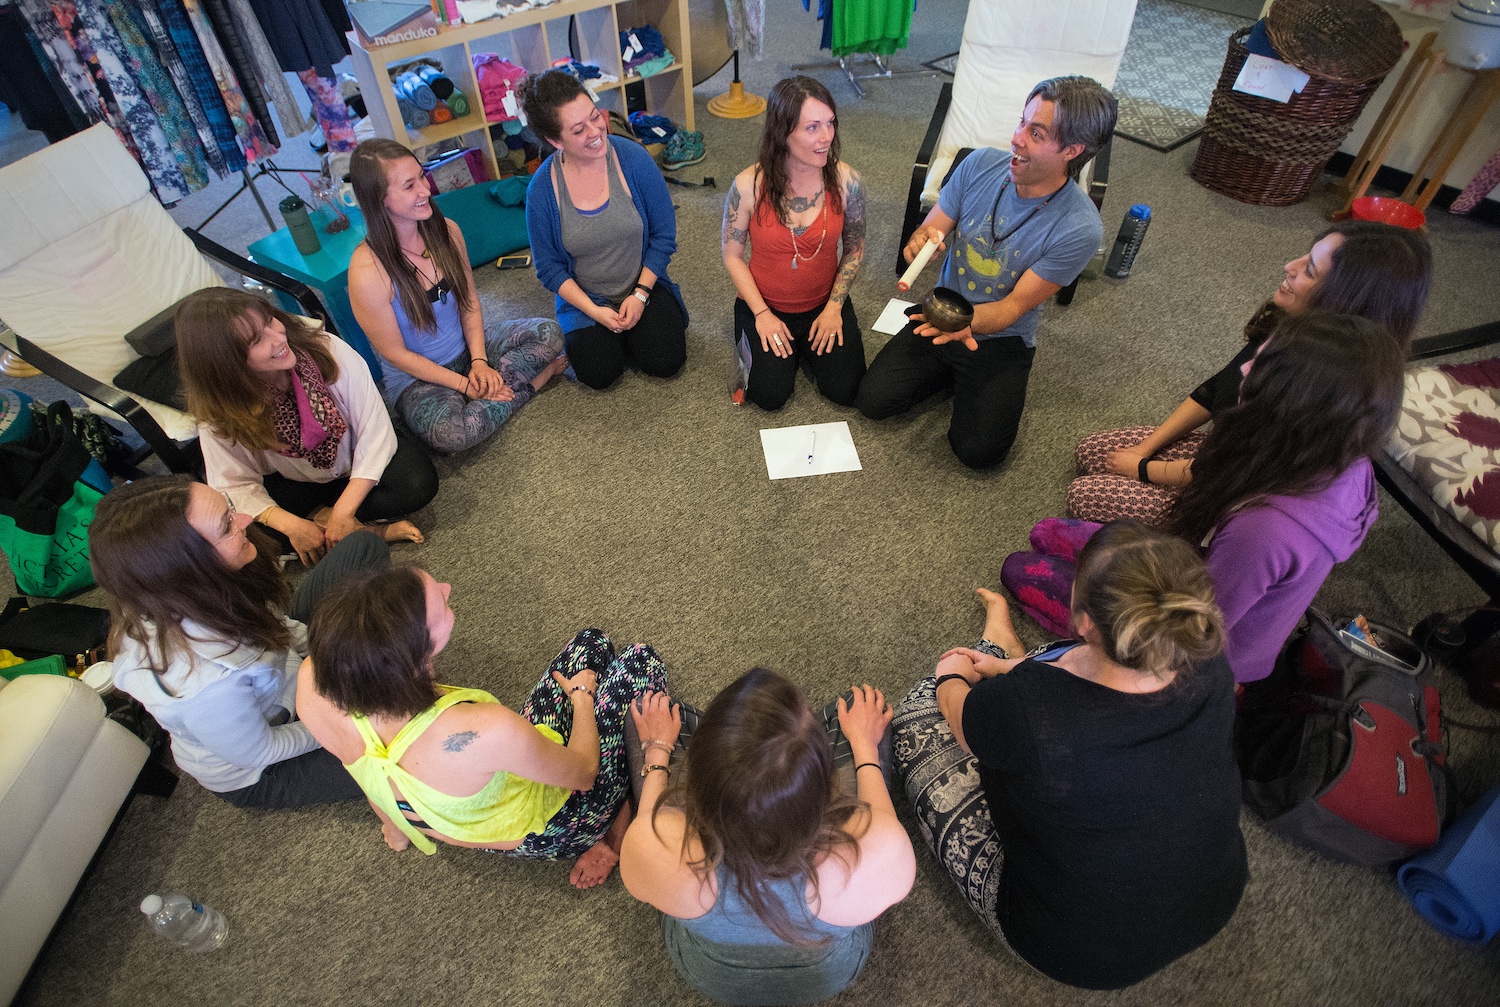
{"x":329,"y":109}
{"x":1042,"y":580}
{"x":447,"y":420}
{"x":1100,"y":495}
{"x":583,"y":820}
{"x":942,"y":783}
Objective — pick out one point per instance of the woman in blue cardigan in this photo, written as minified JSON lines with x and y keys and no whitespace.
{"x":602,"y":232}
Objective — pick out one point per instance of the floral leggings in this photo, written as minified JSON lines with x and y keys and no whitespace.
{"x":583,"y":820}
{"x":1100,"y":495}
{"x":447,"y":420}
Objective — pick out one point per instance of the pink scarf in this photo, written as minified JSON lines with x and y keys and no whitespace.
{"x":307,"y":420}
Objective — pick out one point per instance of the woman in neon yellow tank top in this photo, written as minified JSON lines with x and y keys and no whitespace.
{"x":456,"y":765}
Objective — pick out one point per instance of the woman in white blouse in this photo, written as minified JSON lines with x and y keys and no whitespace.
{"x":292,"y":426}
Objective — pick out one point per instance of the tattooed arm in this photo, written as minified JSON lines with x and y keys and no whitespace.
{"x":828,"y":327}
{"x":774,"y":336}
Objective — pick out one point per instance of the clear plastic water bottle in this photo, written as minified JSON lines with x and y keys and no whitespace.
{"x":1128,"y":241}
{"x":186,"y":923}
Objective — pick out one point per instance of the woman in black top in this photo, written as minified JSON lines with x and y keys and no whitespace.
{"x":1086,"y":801}
{"x":1356,"y":267}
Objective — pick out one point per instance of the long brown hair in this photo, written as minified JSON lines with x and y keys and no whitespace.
{"x":159,"y":572}
{"x":370,"y":647}
{"x":1151,"y":598}
{"x":215,"y":327}
{"x":1379,"y":271}
{"x":760,"y":794}
{"x":367,"y":175}
{"x":783,"y":113}
{"x":1324,"y":391}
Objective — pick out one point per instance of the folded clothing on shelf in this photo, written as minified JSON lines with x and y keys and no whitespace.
{"x":652,"y":128}
{"x":641,"y":44}
{"x":499,"y":80}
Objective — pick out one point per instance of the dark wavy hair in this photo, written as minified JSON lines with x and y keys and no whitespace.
{"x":160,"y":572}
{"x":1324,"y":391}
{"x":367,"y":175}
{"x":369,"y":644}
{"x":542,"y":94}
{"x":783,"y":112}
{"x":215,"y":327}
{"x":1151,"y":598}
{"x":1379,"y":271}
{"x":759,"y":792}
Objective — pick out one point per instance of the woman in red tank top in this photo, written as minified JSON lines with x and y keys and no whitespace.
{"x":801,"y":212}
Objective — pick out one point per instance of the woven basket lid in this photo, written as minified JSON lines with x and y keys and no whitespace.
{"x":1345,"y":40}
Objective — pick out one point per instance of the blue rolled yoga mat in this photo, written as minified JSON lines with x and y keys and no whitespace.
{"x":1456,"y":884}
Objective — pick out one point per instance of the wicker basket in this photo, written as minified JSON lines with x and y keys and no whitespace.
{"x":1268,"y":153}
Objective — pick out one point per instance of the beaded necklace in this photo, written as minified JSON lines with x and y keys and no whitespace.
{"x":796,"y":253}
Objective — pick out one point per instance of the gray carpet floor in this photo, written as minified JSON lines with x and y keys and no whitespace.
{"x":646,"y":511}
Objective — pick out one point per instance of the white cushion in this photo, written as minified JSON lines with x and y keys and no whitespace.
{"x":1010,"y":46}
{"x":89,"y":254}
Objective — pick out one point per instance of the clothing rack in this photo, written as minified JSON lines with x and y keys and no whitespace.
{"x":265,"y":168}
{"x":881,"y":70}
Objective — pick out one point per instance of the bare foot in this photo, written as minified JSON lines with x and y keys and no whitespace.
{"x":398,"y":531}
{"x":594,"y":866}
{"x":549,"y":372}
{"x":997,"y":624}
{"x":394,"y":837}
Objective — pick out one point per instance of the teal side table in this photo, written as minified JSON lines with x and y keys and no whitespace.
{"x":326,"y":271}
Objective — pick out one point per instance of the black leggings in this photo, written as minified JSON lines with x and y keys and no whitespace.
{"x":657,"y":344}
{"x":408,"y":484}
{"x":837,"y":372}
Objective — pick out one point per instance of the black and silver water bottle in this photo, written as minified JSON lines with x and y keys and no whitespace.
{"x":294,"y":212}
{"x":1128,"y":241}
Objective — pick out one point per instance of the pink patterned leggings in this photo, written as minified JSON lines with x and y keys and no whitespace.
{"x":1100,"y":495}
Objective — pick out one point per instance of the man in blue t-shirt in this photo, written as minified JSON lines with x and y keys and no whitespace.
{"x":1017,"y":229}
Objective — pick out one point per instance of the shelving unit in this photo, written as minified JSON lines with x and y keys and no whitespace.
{"x":532,"y":39}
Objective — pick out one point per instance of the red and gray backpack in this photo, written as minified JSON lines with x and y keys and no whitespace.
{"x":1341,"y":747}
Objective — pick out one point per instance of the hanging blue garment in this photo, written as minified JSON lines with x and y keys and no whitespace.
{"x":150,"y":23}
{"x":191,"y":51}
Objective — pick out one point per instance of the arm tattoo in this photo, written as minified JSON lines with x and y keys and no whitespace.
{"x":731,"y":214}
{"x":458,"y":742}
{"x":854,"y":240}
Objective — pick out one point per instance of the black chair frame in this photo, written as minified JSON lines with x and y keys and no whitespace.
{"x":177,"y":457}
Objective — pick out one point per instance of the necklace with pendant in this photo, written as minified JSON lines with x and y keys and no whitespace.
{"x":796,"y":253}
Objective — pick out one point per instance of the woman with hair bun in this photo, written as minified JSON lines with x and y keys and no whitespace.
{"x":602,"y":231}
{"x":1086,"y":799}
{"x":768,"y":864}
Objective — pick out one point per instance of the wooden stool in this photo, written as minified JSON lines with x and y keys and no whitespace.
{"x":1425,"y":64}
{"x":1465,"y":118}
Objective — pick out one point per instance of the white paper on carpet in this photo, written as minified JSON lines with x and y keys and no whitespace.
{"x":814,"y":449}
{"x":893,"y":319}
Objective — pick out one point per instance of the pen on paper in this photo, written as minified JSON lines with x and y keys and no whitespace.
{"x":811,"y":447}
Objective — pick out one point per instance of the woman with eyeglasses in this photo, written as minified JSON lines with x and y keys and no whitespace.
{"x":208,"y":636}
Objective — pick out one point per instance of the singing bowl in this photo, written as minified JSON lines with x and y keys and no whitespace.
{"x":947,"y":310}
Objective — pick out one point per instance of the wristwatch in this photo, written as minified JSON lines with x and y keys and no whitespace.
{"x":641,"y":295}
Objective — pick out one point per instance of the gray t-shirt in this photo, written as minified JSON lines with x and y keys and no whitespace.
{"x":1053,"y":236}
{"x":605,"y":243}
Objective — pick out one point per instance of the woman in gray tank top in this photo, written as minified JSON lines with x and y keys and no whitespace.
{"x":768,"y":872}
{"x":602,"y":232}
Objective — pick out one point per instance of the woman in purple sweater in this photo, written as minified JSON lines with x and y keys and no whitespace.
{"x":1282,"y":487}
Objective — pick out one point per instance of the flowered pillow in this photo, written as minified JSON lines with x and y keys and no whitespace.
{"x":1448,"y":438}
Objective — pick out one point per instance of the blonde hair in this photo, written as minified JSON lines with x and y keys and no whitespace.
{"x":1150,"y":596}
